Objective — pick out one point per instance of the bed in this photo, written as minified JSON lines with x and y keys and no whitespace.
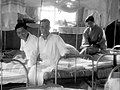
{"x":78,"y":68}
{"x":74,"y":67}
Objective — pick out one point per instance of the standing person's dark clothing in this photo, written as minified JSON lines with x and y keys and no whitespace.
{"x":94,"y":39}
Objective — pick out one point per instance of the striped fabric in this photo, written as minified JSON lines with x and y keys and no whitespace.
{"x":10,"y":8}
{"x":13,"y":67}
{"x":83,"y":68}
{"x":15,"y":2}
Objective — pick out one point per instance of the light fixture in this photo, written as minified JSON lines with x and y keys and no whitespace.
{"x":69,"y":4}
{"x":73,"y":0}
{"x":58,"y":1}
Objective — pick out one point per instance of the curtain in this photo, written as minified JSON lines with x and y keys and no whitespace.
{"x":113,"y":10}
{"x":0,"y":32}
{"x":10,"y":8}
{"x":32,"y":12}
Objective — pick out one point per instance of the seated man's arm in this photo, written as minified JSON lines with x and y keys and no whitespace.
{"x":85,"y":42}
{"x":62,"y":46}
{"x":33,"y":58}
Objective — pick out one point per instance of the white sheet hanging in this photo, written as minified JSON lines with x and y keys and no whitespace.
{"x":9,"y":17}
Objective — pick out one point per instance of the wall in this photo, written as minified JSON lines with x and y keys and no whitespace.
{"x":111,"y":36}
{"x":10,"y":40}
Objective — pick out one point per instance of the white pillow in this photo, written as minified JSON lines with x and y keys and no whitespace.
{"x":72,"y":49}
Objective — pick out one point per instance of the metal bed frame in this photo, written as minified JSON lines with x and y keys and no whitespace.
{"x":96,"y":78}
{"x":94,"y":71}
{"x":75,"y":56}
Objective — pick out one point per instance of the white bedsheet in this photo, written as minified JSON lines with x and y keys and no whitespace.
{"x":10,"y":77}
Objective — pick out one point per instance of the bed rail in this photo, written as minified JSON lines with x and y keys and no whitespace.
{"x":74,"y":56}
{"x":113,"y":70}
{"x":103,"y":55}
{"x":100,"y":58}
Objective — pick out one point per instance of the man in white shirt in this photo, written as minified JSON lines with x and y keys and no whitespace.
{"x":28,"y":42}
{"x":51,"y":47}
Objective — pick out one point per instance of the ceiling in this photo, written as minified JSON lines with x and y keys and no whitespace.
{"x":69,"y":5}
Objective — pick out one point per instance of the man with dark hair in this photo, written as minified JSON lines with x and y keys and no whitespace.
{"x":89,"y":18}
{"x":51,"y":48}
{"x":94,"y":39}
{"x":28,"y":42}
{"x":21,"y":28}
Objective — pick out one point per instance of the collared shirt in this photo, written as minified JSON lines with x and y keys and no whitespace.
{"x":29,"y":47}
{"x":51,"y":49}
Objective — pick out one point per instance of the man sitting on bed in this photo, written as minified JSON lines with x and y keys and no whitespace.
{"x":51,"y":48}
{"x":28,"y":42}
{"x":94,"y":39}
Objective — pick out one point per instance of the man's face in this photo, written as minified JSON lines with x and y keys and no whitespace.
{"x":44,"y":28}
{"x":90,"y":24}
{"x":22,"y":33}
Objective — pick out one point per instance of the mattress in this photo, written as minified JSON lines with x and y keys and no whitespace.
{"x":12,"y":73}
{"x":83,"y":68}
{"x":10,"y":77}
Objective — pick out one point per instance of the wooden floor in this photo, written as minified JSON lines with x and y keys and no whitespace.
{"x":12,"y":85}
{"x":71,"y":86}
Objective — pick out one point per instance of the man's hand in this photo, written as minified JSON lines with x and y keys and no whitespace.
{"x":38,"y":58}
{"x":29,"y":69}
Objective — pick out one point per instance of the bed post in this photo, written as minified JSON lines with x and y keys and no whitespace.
{"x":1,"y":41}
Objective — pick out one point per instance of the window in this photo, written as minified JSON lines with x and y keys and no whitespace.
{"x":57,"y":17}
